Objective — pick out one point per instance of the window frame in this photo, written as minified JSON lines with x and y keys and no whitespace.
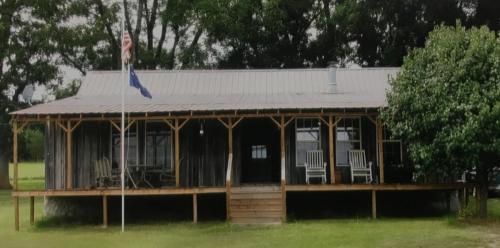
{"x":136,"y":143}
{"x":337,"y":141}
{"x":169,"y":133}
{"x":387,"y":139}
{"x":261,"y":152}
{"x":318,"y":141}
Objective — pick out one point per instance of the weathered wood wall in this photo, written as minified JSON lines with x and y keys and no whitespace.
{"x":203,"y":157}
{"x":55,"y":157}
{"x":91,"y":142}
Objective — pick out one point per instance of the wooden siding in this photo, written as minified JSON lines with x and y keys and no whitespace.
{"x":90,"y":143}
{"x":203,"y":157}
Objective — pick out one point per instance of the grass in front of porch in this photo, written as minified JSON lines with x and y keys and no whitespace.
{"x":31,"y":175}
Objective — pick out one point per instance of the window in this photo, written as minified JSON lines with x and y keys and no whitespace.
{"x":308,"y":137}
{"x":259,"y":152}
{"x":348,"y":138}
{"x":393,"y":149}
{"x":131,"y":144}
{"x":153,"y":140}
{"x":158,"y":140}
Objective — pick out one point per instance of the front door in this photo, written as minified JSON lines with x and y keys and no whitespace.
{"x":260,"y":152}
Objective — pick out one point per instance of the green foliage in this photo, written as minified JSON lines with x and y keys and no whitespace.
{"x":66,"y":91}
{"x":34,"y":144}
{"x":445,"y":102}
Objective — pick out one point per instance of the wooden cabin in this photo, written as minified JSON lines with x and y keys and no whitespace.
{"x":253,"y":135}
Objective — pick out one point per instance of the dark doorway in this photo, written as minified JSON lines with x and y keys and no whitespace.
{"x":260,"y":152}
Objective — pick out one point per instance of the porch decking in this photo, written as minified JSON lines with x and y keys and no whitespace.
{"x":104,"y":193}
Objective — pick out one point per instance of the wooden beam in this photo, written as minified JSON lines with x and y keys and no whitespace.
{"x":374,"y":204}
{"x":16,"y":213}
{"x":117,"y":192}
{"x":177,"y":151}
{"x":69,"y":156}
{"x":289,"y":121}
{"x":380,"y":145}
{"x":104,"y":211}
{"x":223,"y":122}
{"x":195,"y":208}
{"x":237,"y":121}
{"x":15,"y":154}
{"x":283,"y":168}
{"x":275,"y":121}
{"x":62,"y":126}
{"x":118,"y":128}
{"x":183,"y":123}
{"x":257,"y":114}
{"x":230,"y":136}
{"x":331,"y":149}
{"x":32,"y":210}
{"x":229,"y":173}
{"x":377,"y":187}
{"x":75,"y":126}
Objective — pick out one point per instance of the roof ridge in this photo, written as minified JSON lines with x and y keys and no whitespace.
{"x":248,"y":70}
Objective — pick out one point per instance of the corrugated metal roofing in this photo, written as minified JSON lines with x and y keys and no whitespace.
{"x":213,"y":90}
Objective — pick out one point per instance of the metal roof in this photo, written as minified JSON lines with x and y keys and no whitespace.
{"x":216,"y":90}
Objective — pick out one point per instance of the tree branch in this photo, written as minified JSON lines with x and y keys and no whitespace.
{"x":186,"y":57}
{"x":161,"y":41}
{"x":115,"y":46}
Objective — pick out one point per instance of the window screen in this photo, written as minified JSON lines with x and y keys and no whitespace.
{"x":308,"y":137}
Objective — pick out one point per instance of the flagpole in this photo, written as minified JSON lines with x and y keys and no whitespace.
{"x":122,"y":128}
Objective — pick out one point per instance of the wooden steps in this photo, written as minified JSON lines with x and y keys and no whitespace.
{"x":256,"y":205}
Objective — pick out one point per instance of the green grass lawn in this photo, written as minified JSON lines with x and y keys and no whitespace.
{"x":28,"y":170}
{"x":384,"y":232}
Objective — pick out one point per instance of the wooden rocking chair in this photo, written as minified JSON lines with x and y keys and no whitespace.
{"x":315,"y":167}
{"x":359,"y":167}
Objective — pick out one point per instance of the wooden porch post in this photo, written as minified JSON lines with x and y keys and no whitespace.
{"x":230,"y":126}
{"x":282,"y":125}
{"x":380,"y":146}
{"x":177,"y":155}
{"x":32,"y":210}
{"x":176,"y":126}
{"x":68,"y":129}
{"x":331,"y":149}
{"x":195,"y":208}
{"x":15,"y":131}
{"x":374,"y":204}
{"x":104,"y":211}
{"x":283,"y":169}
{"x":69,"y":158}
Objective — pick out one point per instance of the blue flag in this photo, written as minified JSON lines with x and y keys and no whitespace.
{"x":134,"y":82}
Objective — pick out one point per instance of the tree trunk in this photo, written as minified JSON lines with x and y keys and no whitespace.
{"x":482,"y":192}
{"x":4,"y":171}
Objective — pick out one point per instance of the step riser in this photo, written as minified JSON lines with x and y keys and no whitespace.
{"x":256,"y":205}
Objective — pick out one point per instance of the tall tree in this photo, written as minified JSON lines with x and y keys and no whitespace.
{"x":26,"y":57}
{"x":445,"y":103}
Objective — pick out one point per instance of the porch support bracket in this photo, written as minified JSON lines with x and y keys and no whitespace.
{"x":176,"y":126}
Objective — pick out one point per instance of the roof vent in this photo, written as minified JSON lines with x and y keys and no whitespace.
{"x":332,"y":80}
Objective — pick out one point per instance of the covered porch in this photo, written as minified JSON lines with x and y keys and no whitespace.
{"x":216,"y":153}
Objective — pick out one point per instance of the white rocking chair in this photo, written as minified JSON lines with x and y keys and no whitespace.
{"x":359,"y":168}
{"x":315,"y":167}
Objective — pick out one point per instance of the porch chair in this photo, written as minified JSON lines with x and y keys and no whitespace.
{"x":98,"y":173}
{"x":104,"y":175}
{"x":112,"y":176}
{"x":315,"y":167}
{"x":359,"y":167}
